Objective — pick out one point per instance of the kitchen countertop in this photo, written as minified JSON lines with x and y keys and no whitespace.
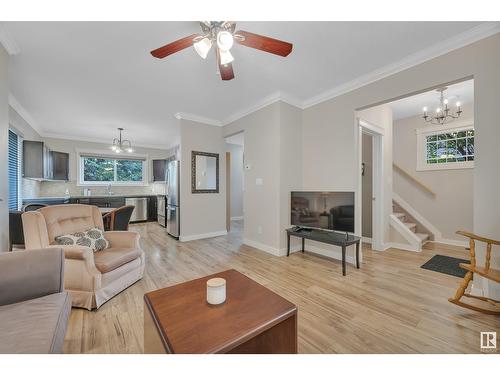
{"x":96,"y":196}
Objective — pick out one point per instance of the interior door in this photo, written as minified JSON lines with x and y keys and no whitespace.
{"x":228,"y":191}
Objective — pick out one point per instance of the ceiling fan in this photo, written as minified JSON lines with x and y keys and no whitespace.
{"x":222,"y":35}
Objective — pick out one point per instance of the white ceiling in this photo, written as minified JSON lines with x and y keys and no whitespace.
{"x":83,"y":80}
{"x":412,"y":106}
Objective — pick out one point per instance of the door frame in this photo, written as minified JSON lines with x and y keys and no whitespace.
{"x":378,"y":219}
{"x":228,"y":191}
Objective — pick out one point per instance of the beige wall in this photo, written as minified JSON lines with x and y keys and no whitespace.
{"x":366,"y":188}
{"x":236,"y":152}
{"x":201,"y":215}
{"x":273,"y":154}
{"x":452,"y":208}
{"x":329,"y":128}
{"x":262,"y":156}
{"x":4,"y":131}
{"x":58,"y":188}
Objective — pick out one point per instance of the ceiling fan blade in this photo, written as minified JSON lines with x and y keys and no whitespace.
{"x":264,"y":43}
{"x":174,"y":47}
{"x":226,"y":71}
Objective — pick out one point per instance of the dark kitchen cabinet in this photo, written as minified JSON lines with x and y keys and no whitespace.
{"x":60,"y":165}
{"x":152,"y":209}
{"x":40,"y":163}
{"x":159,"y":170}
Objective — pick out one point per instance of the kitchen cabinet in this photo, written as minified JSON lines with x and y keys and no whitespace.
{"x":159,"y":170}
{"x":41,"y":163}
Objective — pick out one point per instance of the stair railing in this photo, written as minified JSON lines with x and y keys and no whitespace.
{"x":414,"y":180}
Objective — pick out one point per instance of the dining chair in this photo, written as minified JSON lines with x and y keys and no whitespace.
{"x":118,"y":219}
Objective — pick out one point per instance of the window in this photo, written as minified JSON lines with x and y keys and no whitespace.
{"x":95,"y":170}
{"x":13,"y":171}
{"x":445,"y":147}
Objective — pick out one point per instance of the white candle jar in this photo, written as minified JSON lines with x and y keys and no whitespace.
{"x":216,"y":291}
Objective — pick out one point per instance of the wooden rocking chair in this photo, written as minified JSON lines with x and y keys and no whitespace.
{"x":472,"y":268}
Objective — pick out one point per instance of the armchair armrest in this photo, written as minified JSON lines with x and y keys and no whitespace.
{"x":28,"y":274}
{"x":76,"y":252}
{"x":123,"y":239}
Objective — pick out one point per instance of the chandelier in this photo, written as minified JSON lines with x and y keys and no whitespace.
{"x":121,"y":145}
{"x":443,"y":114}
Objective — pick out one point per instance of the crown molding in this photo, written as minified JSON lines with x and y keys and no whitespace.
{"x":7,"y":42}
{"x":102,"y":141}
{"x":268,"y":100}
{"x":14,"y":103}
{"x":196,"y":118}
{"x":479,"y":32}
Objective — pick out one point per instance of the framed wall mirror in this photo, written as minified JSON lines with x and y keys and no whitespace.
{"x":204,"y":172}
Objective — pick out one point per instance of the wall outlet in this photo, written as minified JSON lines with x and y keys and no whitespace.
{"x":259,"y":229}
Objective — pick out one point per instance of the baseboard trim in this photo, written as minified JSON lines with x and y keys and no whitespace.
{"x":236,"y":218}
{"x":260,"y":246}
{"x":366,"y":240}
{"x":400,"y":246}
{"x":202,"y":236}
{"x":447,"y":241}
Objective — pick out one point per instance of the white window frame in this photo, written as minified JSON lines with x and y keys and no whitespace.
{"x":423,"y":133}
{"x":99,"y":154}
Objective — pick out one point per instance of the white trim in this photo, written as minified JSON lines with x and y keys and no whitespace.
{"x":370,"y":128}
{"x":436,"y":233}
{"x":236,"y":218}
{"x":202,"y":236}
{"x":424,"y":132}
{"x":414,"y":242}
{"x":102,"y":141}
{"x":479,"y":32}
{"x":400,"y":246}
{"x":7,"y":42}
{"x":366,"y":240}
{"x":260,"y":246}
{"x":447,"y":241}
{"x":266,"y":101}
{"x":14,"y":103}
{"x":196,"y":118}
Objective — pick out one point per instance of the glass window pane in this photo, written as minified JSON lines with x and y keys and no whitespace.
{"x":98,"y":169}
{"x":442,"y":160}
{"x":431,"y":138}
{"x":128,"y":170}
{"x":470,"y":158}
{"x":431,"y":150}
{"x":470,"y":146}
{"x":461,"y":146}
{"x":441,"y":150}
{"x":442,"y":137}
{"x":461,"y":134}
{"x":470,"y":133}
{"x":432,"y":161}
{"x":462,"y":158}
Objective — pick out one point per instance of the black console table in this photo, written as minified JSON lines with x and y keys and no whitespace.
{"x":332,"y":238}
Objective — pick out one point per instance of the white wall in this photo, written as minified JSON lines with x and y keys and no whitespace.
{"x":329,"y":128}
{"x":236,"y":195}
{"x":4,"y":133}
{"x":452,"y":207}
{"x":201,"y":215}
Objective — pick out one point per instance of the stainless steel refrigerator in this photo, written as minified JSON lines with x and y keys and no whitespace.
{"x":173,"y":192}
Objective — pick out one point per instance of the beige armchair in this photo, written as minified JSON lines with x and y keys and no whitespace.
{"x":90,"y":277}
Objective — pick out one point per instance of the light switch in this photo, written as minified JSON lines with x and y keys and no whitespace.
{"x":259,"y":181}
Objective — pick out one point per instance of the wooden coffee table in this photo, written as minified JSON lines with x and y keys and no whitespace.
{"x":253,"y":319}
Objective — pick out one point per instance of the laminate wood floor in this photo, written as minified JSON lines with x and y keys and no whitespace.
{"x":390,"y":305}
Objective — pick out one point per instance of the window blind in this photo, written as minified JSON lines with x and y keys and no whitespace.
{"x":13,"y":170}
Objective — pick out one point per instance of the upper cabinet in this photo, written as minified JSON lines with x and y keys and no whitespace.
{"x":159,"y":170}
{"x":39,"y":162}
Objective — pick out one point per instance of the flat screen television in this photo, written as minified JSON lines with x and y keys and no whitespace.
{"x":332,"y":210}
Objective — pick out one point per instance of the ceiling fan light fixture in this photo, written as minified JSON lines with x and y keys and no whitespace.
{"x":225,"y":40}
{"x":202,"y":47}
{"x":226,"y":57}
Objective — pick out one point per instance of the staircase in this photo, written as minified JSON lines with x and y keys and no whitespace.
{"x":419,"y":235}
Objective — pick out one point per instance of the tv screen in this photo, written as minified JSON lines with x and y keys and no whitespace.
{"x":323,"y":210}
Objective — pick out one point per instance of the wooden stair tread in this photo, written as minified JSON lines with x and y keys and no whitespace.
{"x":491,"y":274}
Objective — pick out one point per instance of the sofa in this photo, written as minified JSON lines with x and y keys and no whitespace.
{"x":91,"y":278}
{"x":34,"y":308}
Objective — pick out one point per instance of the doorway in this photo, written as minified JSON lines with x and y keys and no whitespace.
{"x":235,"y":145}
{"x":371,"y":178}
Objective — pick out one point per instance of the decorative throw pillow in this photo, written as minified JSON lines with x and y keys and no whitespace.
{"x":93,"y":238}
